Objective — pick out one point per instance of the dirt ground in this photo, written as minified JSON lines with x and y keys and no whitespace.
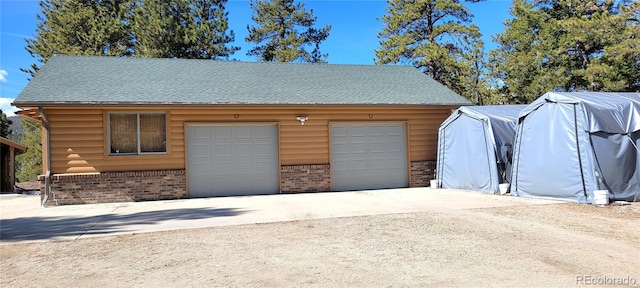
{"x":559,"y":245}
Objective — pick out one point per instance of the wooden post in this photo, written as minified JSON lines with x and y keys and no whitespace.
{"x":12,"y":167}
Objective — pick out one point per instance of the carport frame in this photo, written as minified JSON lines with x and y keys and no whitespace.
{"x":487,"y":139}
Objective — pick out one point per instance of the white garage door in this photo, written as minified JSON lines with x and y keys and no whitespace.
{"x":226,"y":160}
{"x":368,"y":156}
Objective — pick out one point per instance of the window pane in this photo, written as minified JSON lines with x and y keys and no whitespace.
{"x":153,"y":133}
{"x":123,"y":133}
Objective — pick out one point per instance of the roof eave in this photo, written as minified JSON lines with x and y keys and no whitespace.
{"x":16,"y":145}
{"x":155,"y":104}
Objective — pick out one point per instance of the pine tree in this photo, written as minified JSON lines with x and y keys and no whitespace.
{"x":568,"y":45}
{"x":437,"y":37}
{"x":209,"y":36}
{"x":29,"y":164}
{"x":474,"y":84}
{"x":142,"y":28}
{"x":194,"y":29}
{"x":80,"y":27}
{"x":284,"y":31}
{"x":5,"y":123}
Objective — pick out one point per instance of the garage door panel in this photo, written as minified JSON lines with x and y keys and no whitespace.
{"x":223,"y":186}
{"x":263,"y":189}
{"x":371,"y":156}
{"x":398,"y":130}
{"x":360,"y":157}
{"x":339,"y":148}
{"x":339,"y":166}
{"x":200,"y":185}
{"x":380,"y":164}
{"x":204,"y":150}
{"x":242,"y":132}
{"x":380,"y":139}
{"x":359,"y":148}
{"x":340,"y":131}
{"x":244,"y":149}
{"x":396,"y":164}
{"x":221,"y":150}
{"x":203,"y":169}
{"x":359,"y":165}
{"x":221,"y":132}
{"x":396,"y":147}
{"x":242,"y":160}
{"x":201,"y":133}
{"x":262,"y":167}
{"x":263,"y":134}
{"x":377,"y":147}
{"x":263,"y":149}
{"x":222,"y":169}
{"x":375,"y":131}
{"x":239,"y":185}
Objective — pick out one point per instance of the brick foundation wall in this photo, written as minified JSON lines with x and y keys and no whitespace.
{"x":108,"y":187}
{"x":305,"y":178}
{"x":422,"y":172}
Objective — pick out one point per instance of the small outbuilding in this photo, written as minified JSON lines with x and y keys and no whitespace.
{"x":569,"y":145}
{"x":8,"y":152}
{"x":475,"y":146}
{"x":131,"y":129}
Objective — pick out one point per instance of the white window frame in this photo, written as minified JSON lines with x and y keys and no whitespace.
{"x":137,"y":133}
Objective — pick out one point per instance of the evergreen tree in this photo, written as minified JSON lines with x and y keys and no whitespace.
{"x":568,"y":45}
{"x":437,"y":37}
{"x":284,"y":31}
{"x":144,"y":28}
{"x":15,"y":129}
{"x":5,"y":123}
{"x":194,"y":29}
{"x":29,"y":164}
{"x":80,"y":27}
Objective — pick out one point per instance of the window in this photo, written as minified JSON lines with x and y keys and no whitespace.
{"x":137,"y":133}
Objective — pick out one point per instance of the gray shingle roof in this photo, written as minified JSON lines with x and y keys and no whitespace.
{"x":82,"y":80}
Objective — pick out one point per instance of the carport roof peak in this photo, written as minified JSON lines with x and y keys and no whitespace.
{"x":610,"y":112}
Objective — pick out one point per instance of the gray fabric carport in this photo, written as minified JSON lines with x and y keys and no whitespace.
{"x":475,"y":147}
{"x":570,"y":144}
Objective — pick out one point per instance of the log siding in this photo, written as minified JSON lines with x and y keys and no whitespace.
{"x":79,"y":136}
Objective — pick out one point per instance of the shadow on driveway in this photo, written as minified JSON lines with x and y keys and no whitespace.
{"x":60,"y":227}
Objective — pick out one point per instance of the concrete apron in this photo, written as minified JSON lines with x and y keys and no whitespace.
{"x":22,"y":219}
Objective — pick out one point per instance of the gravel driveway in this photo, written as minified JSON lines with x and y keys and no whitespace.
{"x":543,"y":245}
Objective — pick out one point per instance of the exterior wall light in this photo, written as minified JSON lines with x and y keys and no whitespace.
{"x":302,"y":119}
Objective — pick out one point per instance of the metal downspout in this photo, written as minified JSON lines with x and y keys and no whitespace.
{"x":47,"y":174}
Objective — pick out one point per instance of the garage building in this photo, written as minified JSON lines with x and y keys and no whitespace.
{"x":132,"y":129}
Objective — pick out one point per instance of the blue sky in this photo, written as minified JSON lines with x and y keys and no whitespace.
{"x":352,"y":40}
